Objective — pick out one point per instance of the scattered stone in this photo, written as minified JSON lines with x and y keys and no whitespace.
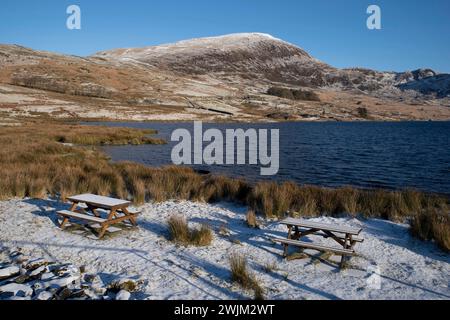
{"x":63,"y":270}
{"x":17,"y":289}
{"x":6,"y":295}
{"x":9,"y":272}
{"x":39,"y":271}
{"x":91,"y":294}
{"x":47,"y":276}
{"x":39,"y":279}
{"x":34,"y":264}
{"x":123,"y":284}
{"x":44,"y":295}
{"x":20,"y":258}
{"x":61,"y":282}
{"x":99,"y":289}
{"x":64,"y":294}
{"x":22,"y":279}
{"x":78,"y":294}
{"x":123,"y":295}
{"x":20,"y":298}
{"x":89,"y":277}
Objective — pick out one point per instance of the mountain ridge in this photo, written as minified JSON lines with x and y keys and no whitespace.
{"x":224,"y":77}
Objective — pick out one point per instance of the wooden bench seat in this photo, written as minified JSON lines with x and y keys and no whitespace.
{"x":133,"y":212}
{"x":308,"y":245}
{"x":80,"y":216}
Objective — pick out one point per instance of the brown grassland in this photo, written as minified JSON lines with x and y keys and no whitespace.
{"x":35,"y":163}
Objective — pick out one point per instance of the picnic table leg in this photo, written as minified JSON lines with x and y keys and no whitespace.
{"x":132,"y":219}
{"x":347,"y":244}
{"x":63,"y":223}
{"x":73,"y":206}
{"x":286,"y":246}
{"x":105,"y":224}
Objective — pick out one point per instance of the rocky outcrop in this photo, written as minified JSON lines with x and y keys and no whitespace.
{"x":22,"y":278}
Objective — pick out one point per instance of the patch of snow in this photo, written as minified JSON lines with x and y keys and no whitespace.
{"x":391,"y":264}
{"x":123,"y":295}
{"x":9,"y":272}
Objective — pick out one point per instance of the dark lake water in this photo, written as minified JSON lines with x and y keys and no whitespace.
{"x":366,"y":154}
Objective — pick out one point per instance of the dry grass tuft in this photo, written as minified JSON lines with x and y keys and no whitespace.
{"x":241,"y":275}
{"x":433,"y":223}
{"x":202,"y":237}
{"x":181,"y":233}
{"x":270,"y":267}
{"x":252,"y":221}
{"x":179,"y":229}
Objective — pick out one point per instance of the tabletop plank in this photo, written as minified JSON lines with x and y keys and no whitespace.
{"x":321,"y":226}
{"x":100,"y":201}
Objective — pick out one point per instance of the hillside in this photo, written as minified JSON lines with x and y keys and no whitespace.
{"x":218,"y":78}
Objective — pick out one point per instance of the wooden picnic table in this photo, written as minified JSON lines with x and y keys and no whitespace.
{"x":345,"y":236}
{"x":117,"y":211}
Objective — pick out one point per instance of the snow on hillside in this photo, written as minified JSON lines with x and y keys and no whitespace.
{"x":408,"y":268}
{"x":237,"y":41}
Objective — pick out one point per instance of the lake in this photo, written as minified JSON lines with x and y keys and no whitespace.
{"x":391,"y":155}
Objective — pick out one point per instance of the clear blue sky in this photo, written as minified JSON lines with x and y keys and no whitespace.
{"x":416,"y":33}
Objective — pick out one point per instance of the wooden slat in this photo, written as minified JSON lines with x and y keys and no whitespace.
{"x":321,"y":226}
{"x":80,"y":216}
{"x":100,"y":201}
{"x":324,"y":235}
{"x":318,"y":247}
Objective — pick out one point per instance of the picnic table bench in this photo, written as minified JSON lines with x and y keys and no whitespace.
{"x":347,"y":237}
{"x":117,"y":211}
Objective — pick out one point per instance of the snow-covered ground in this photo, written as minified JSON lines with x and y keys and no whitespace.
{"x":392,"y":264}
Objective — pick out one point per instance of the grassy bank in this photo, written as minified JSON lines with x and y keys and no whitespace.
{"x":34,"y":163}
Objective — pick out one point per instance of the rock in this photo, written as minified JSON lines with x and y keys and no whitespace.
{"x":123,"y":284}
{"x":9,"y":272}
{"x":64,"y":294}
{"x":6,"y":295}
{"x":37,"y":286}
{"x":47,"y":276}
{"x":20,"y":258}
{"x":34,"y":264}
{"x":44,"y":295}
{"x":123,"y":295}
{"x":22,"y":279}
{"x":17,"y":289}
{"x":89,"y":277}
{"x":20,"y":298}
{"x":61,"y":282}
{"x":23,"y":271}
{"x":82,"y":269}
{"x":99,"y":289}
{"x":63,"y":270}
{"x":91,"y":294}
{"x":39,"y":271}
{"x":78,"y":294}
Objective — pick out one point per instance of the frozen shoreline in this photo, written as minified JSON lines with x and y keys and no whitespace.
{"x":409,"y":268}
